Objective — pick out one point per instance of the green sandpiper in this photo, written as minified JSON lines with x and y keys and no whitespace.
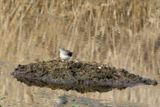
{"x":65,"y":54}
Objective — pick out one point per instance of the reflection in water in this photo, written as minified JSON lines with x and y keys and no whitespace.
{"x":16,"y":94}
{"x":78,"y":101}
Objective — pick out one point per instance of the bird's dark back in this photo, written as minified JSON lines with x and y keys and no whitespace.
{"x":70,"y":53}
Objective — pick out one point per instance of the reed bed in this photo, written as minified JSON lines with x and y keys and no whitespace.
{"x":122,"y":33}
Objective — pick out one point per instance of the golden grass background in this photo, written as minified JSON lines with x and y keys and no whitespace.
{"x":122,"y":33}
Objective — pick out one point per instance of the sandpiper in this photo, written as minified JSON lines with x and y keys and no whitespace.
{"x":65,"y":54}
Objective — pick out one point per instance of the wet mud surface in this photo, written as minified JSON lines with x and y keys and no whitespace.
{"x":79,"y":76}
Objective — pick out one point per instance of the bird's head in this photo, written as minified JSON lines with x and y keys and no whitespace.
{"x":61,"y":49}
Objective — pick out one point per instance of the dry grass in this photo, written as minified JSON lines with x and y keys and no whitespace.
{"x":123,"y":33}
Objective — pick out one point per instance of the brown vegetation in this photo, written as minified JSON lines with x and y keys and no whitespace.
{"x":124,"y":33}
{"x":79,"y":76}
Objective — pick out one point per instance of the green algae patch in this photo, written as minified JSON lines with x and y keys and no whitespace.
{"x":79,"y":76}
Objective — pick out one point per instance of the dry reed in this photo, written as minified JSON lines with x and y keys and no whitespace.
{"x":123,"y":33}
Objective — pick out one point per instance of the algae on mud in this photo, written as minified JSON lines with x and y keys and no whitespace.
{"x":79,"y":76}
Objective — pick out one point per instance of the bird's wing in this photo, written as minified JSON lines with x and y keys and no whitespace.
{"x":69,"y":53}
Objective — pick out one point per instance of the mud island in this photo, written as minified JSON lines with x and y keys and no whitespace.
{"x":79,"y":76}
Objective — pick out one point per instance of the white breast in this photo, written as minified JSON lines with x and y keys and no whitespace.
{"x":64,"y":56}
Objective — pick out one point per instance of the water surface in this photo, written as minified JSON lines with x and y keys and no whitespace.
{"x":16,"y":94}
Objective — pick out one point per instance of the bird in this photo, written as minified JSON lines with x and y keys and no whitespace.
{"x":65,"y":54}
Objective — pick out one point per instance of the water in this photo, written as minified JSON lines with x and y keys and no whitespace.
{"x":17,"y":94}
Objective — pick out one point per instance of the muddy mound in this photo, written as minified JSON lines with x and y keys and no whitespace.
{"x":79,"y":76}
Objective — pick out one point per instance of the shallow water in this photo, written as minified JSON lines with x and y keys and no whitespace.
{"x":16,"y":94}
